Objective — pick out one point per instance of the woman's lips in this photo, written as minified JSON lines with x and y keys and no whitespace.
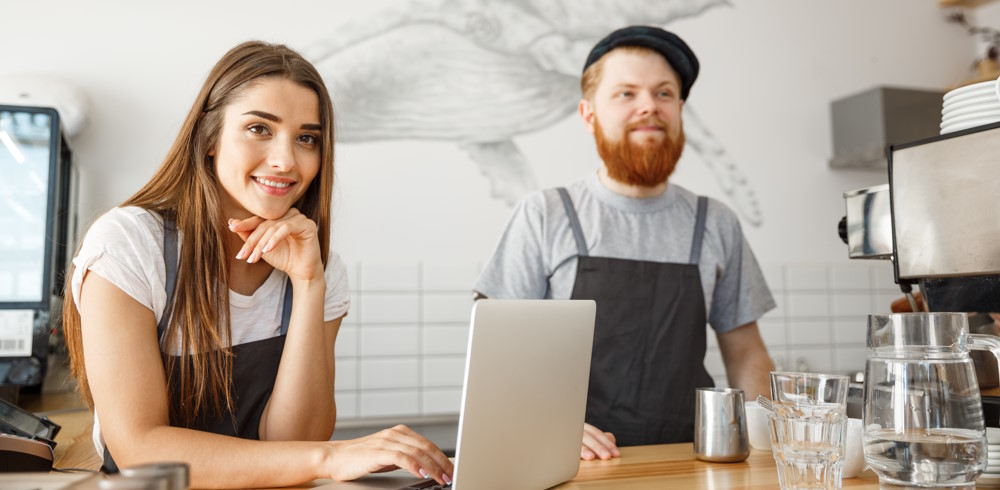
{"x":274,"y":186}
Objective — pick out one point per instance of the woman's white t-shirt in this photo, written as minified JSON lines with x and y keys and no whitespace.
{"x":125,"y":247}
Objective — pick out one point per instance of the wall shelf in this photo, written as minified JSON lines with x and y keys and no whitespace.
{"x":963,"y":3}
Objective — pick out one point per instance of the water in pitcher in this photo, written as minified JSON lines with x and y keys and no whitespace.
{"x":923,"y":413}
{"x":926,"y":456}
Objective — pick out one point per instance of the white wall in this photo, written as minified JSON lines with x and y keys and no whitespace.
{"x":770,"y":70}
{"x":414,"y":218}
{"x":986,"y":16}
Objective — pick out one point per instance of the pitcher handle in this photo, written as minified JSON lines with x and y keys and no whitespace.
{"x":985,"y":342}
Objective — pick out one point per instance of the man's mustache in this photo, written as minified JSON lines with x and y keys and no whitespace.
{"x":662,"y":125}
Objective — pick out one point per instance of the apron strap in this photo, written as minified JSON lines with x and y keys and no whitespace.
{"x":574,"y":222}
{"x":699,"y":230}
{"x":286,"y":307}
{"x":170,"y":263}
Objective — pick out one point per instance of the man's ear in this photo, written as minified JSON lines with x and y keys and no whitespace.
{"x":586,"y":109}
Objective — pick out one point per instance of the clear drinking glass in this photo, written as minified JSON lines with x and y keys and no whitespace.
{"x":808,"y":429}
{"x":923,"y":416}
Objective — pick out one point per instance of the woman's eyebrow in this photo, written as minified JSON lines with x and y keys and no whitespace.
{"x":276,"y":119}
{"x":263,"y":115}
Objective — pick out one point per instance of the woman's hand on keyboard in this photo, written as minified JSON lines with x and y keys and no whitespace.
{"x":388,"y":450}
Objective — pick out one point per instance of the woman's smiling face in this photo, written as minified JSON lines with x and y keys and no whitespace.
{"x":269,"y":148}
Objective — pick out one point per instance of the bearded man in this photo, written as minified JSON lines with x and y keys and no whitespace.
{"x":660,"y":261}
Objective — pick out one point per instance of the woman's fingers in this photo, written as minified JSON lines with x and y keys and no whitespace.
{"x":244,"y":227}
{"x":417,"y":462}
{"x":289,"y":244}
{"x":412,"y":438}
{"x":262,"y":236}
{"x":251,"y":249}
{"x":396,"y":447}
{"x":431,"y":460}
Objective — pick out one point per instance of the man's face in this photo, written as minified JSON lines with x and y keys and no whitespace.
{"x":635,"y":116}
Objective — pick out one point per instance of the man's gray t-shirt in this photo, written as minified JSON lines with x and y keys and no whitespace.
{"x":537,"y":254}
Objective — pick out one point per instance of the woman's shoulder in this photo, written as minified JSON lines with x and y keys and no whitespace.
{"x":126,"y":231}
{"x":128,"y":220}
{"x":121,"y":246}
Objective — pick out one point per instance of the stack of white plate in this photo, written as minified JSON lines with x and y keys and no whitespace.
{"x":971,"y":106}
{"x":991,"y":475}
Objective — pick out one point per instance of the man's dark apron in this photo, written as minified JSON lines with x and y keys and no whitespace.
{"x":649,"y":340}
{"x":255,"y":366}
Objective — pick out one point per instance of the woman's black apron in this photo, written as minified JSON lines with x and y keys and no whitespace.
{"x":255,"y":366}
{"x":649,"y":340}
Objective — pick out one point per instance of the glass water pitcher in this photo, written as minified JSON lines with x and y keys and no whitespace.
{"x":923,"y":416}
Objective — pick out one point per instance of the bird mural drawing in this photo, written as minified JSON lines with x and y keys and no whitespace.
{"x":481,"y":72}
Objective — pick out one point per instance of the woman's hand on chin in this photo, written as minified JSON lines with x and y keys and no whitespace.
{"x":290,"y":244}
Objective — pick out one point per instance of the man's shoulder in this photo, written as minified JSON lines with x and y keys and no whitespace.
{"x":576,"y":190}
{"x":548,"y":201}
{"x":719,"y":214}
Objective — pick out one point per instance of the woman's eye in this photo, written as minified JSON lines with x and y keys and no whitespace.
{"x":309,"y":139}
{"x":258,"y":129}
{"x":625,"y":94}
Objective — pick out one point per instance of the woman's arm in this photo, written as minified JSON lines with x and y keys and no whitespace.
{"x":302,"y":406}
{"x":128,"y":383}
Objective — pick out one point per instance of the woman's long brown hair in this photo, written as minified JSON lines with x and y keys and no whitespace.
{"x":185,"y":189}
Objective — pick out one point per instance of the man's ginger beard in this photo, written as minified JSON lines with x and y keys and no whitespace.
{"x":639,"y":165}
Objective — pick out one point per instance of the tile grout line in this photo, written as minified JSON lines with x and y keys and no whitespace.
{"x":357,"y":343}
{"x":420,"y":338}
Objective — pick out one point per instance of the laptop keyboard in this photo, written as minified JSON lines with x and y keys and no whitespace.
{"x":427,"y":485}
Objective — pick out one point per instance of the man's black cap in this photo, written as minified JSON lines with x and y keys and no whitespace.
{"x":671,"y":47}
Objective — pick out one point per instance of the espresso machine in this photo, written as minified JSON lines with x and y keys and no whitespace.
{"x":938,"y":221}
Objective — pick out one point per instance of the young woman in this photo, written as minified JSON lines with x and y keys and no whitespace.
{"x":203,"y":311}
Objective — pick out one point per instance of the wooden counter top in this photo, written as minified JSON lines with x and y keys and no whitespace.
{"x":75,"y":442}
{"x":674,"y":466}
{"x":644,"y":467}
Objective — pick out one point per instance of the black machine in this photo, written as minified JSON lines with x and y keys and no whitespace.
{"x":38,"y":192}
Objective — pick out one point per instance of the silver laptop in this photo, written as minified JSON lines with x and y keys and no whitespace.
{"x":523,"y":400}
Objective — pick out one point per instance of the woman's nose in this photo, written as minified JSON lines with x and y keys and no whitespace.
{"x":281,"y":155}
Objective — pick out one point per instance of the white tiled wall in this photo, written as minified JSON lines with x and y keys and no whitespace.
{"x":820,"y":321}
{"x":401,"y":350}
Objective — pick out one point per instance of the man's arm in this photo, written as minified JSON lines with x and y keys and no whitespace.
{"x":747,"y":361}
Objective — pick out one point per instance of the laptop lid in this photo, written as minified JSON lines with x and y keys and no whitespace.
{"x":524,"y":396}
